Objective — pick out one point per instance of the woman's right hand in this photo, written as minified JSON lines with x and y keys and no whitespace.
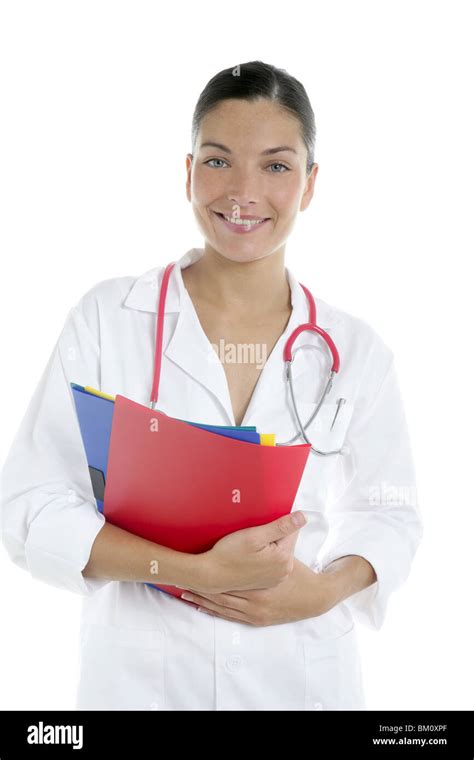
{"x":251,"y":558}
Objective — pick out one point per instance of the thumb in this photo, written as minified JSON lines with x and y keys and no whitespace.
{"x":282,"y":527}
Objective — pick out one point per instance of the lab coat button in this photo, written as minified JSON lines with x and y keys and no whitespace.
{"x":234,"y":663}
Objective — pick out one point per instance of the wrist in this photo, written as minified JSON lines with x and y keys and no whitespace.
{"x":331,"y":586}
{"x":319,"y":592}
{"x":195,"y":572}
{"x":347,"y":575}
{"x":333,"y":581}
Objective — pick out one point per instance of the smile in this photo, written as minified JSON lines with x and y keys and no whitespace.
{"x":238,"y":224}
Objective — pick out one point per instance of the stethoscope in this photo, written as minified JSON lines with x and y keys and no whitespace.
{"x":287,"y":355}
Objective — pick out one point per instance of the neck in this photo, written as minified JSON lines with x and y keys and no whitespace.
{"x":247,"y":287}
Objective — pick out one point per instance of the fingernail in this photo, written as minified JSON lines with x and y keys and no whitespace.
{"x":298,"y":518}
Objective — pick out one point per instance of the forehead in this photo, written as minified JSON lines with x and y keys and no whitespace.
{"x":236,"y":121}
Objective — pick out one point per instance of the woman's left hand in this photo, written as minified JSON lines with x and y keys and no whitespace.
{"x":303,"y":594}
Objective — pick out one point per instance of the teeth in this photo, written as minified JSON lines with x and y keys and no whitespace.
{"x":243,"y":221}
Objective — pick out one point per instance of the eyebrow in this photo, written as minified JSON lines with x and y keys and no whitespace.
{"x":267,"y":152}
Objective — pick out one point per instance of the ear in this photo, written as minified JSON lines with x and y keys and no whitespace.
{"x":189,"y":166}
{"x":309,"y":188}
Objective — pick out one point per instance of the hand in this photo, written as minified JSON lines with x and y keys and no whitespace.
{"x":252,"y":558}
{"x":302,"y":594}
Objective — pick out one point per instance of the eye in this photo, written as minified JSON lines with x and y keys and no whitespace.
{"x":283,"y":165}
{"x":214,"y":159}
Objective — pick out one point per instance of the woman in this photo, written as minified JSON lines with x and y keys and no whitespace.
{"x":276,"y":624}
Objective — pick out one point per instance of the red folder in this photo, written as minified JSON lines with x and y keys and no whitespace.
{"x":185,"y":487}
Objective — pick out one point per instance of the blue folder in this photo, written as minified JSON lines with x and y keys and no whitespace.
{"x":95,"y":415}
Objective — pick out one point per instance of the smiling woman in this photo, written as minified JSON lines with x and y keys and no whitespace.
{"x":252,"y":168}
{"x":281,"y":600}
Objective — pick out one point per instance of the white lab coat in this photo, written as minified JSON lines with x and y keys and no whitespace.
{"x":142,"y":648}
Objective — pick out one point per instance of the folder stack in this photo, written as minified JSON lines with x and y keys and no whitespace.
{"x":180,"y":483}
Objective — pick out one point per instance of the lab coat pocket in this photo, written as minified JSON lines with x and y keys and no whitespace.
{"x":333,"y":678}
{"x":121,"y":668}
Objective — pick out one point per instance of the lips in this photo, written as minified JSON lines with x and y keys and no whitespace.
{"x":244,"y":217}
{"x":242,"y":225}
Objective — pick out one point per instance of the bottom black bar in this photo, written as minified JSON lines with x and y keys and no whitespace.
{"x":129,"y":733}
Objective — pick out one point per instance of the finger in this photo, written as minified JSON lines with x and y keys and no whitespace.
{"x":224,"y":617}
{"x":224,"y":612}
{"x":279,"y":528}
{"x":218,"y":601}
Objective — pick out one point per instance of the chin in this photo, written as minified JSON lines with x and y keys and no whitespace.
{"x":238,"y":255}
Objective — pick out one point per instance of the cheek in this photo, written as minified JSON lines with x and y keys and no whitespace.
{"x":285,"y":197}
{"x":206,"y":186}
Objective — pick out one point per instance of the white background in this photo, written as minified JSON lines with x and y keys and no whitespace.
{"x":97,"y":100}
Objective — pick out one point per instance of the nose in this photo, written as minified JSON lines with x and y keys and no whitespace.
{"x":242,"y":202}
{"x":245,"y":190}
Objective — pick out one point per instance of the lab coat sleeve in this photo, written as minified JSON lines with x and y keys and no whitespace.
{"x":375,"y":514}
{"x":49,"y":515}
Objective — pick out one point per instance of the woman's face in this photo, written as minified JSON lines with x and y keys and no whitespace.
{"x":242,"y":176}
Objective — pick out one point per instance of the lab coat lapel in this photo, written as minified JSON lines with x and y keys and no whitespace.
{"x":187,"y":346}
{"x":191,"y":350}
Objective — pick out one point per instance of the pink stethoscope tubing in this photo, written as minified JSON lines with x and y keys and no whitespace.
{"x":287,"y":356}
